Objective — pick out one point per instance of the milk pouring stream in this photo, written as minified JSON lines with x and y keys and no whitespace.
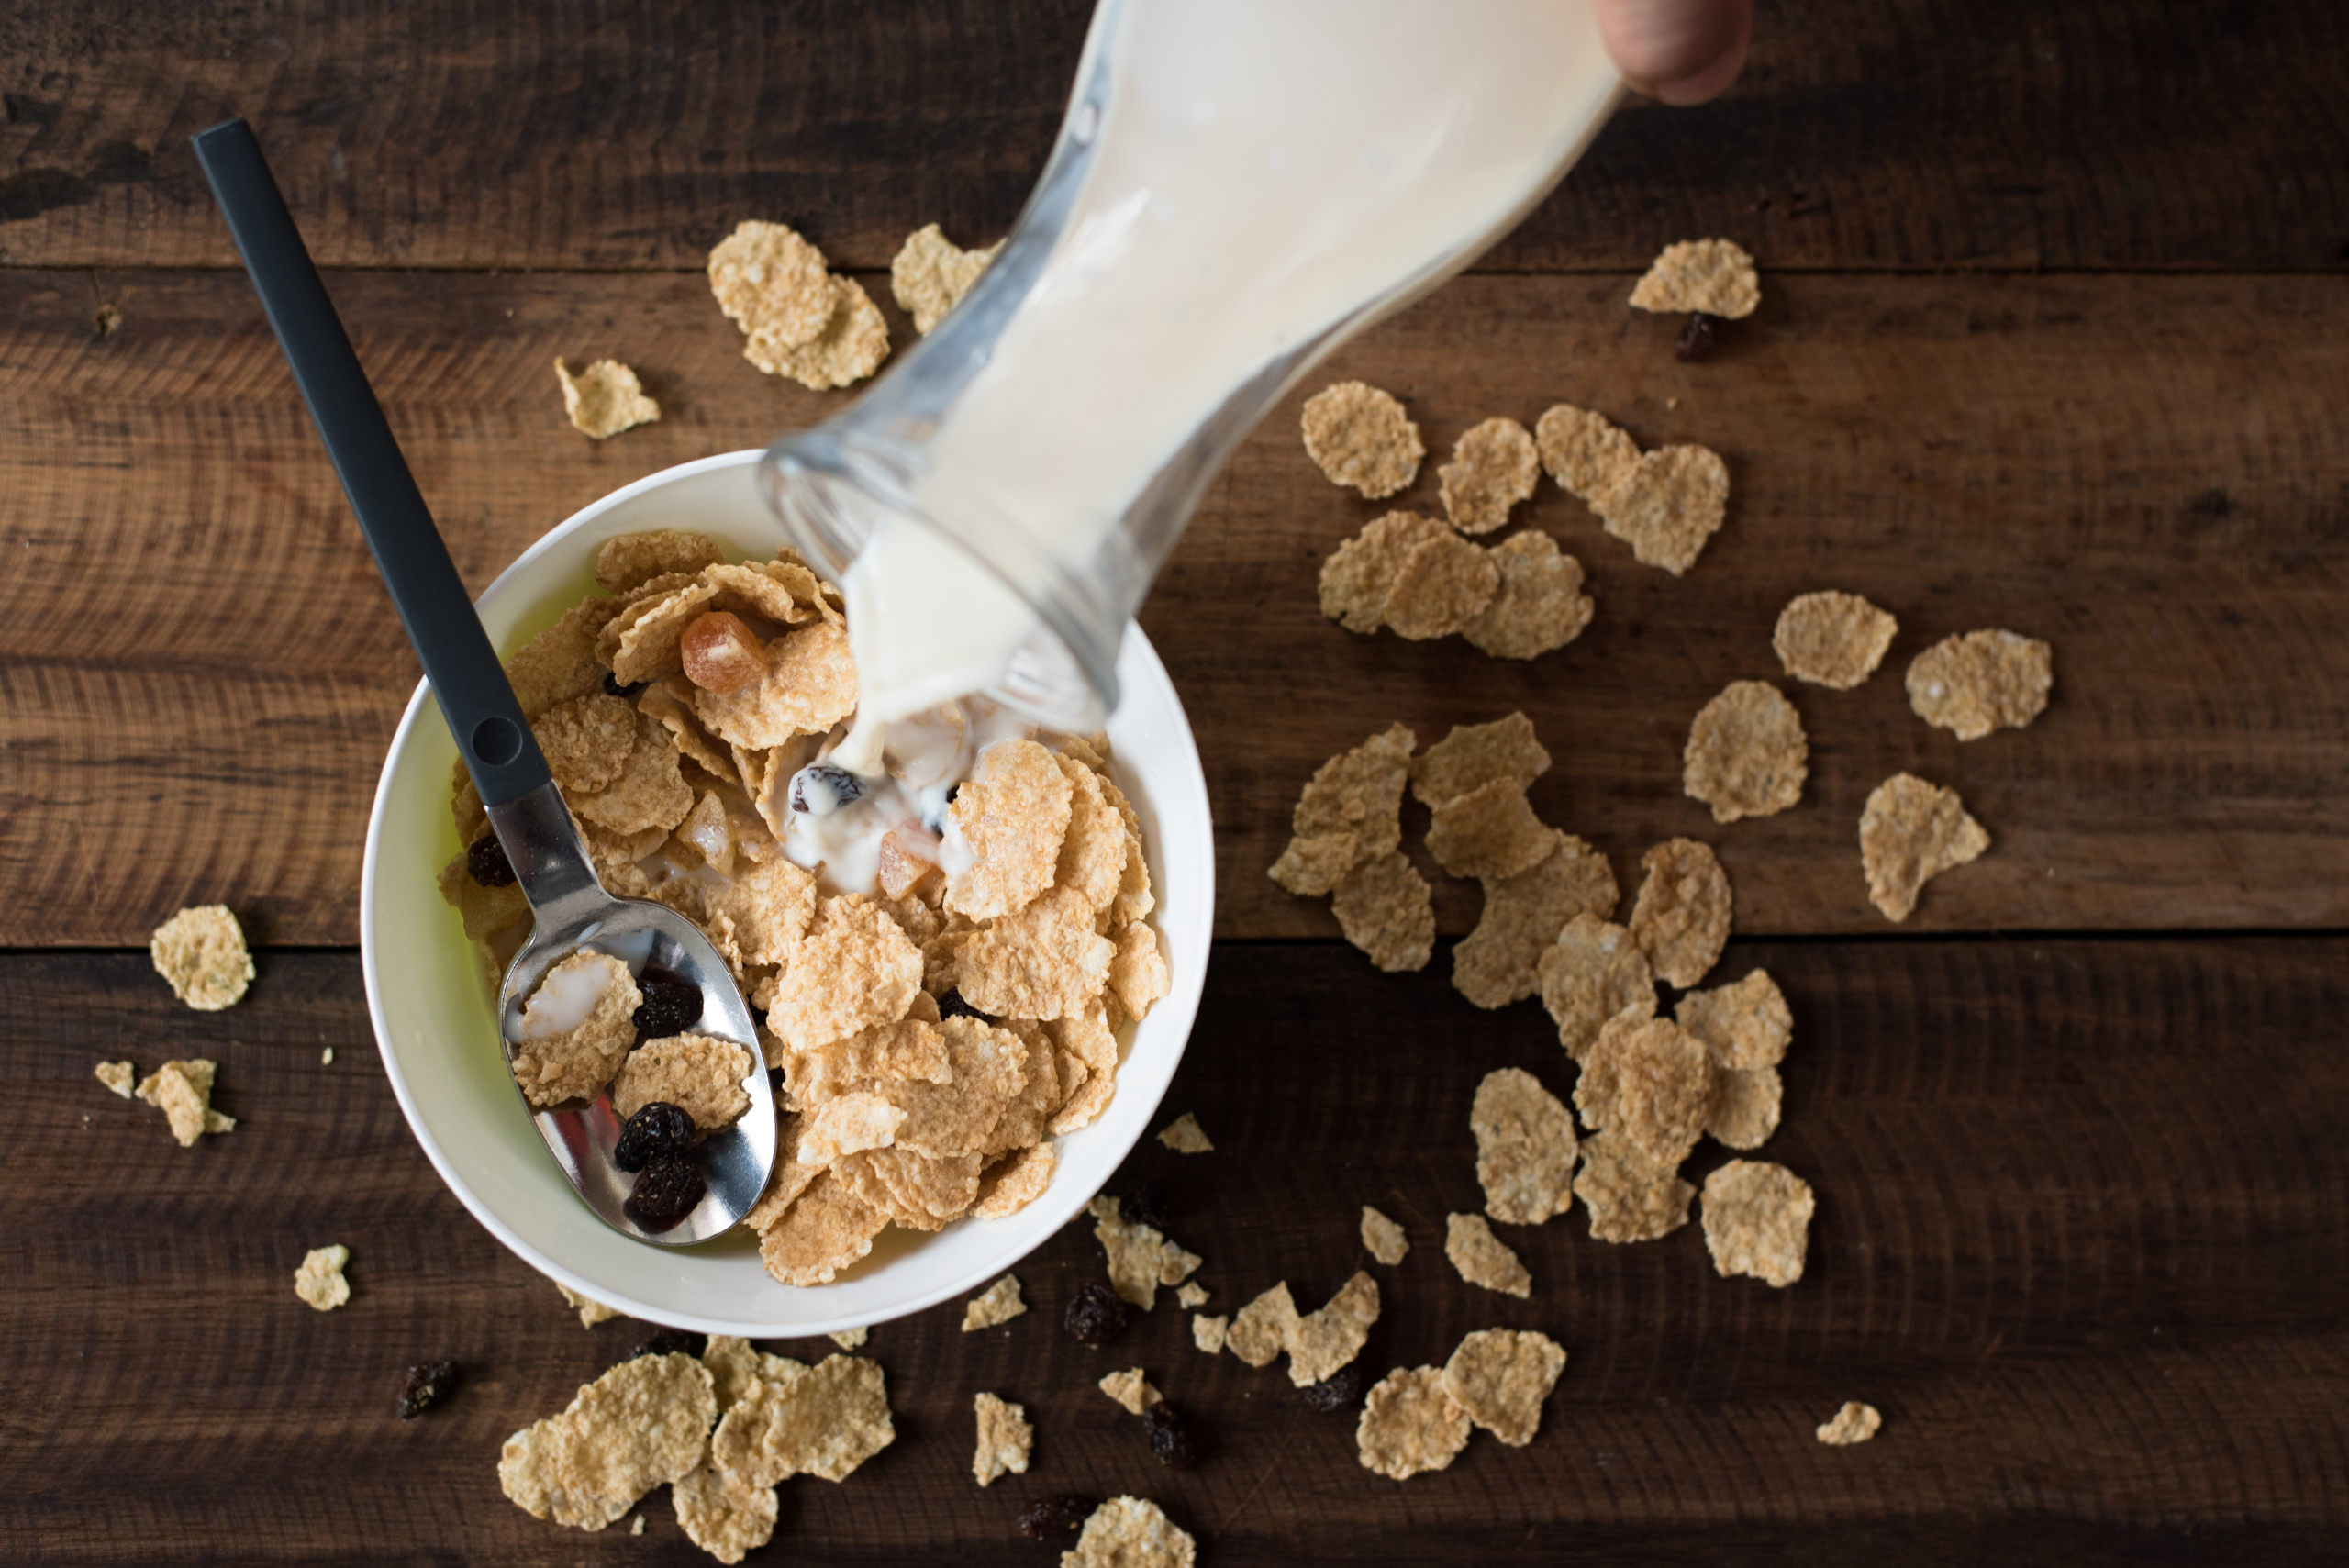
{"x":1239,"y":187}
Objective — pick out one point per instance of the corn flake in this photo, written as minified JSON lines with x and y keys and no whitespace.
{"x":1745,"y":1026}
{"x":1747,"y":755}
{"x":1014,"y":1182}
{"x":1494,"y":466}
{"x":1491,"y":831}
{"x":1381,"y":1238}
{"x":1757,"y":1221}
{"x":1910,"y":832}
{"x":997,"y":1305}
{"x":1832,"y":639}
{"x":851,"y":345}
{"x":1410,"y":1425}
{"x":1745,"y":1105}
{"x":1649,"y":1080}
{"x":1629,"y":1196}
{"x":605,"y":399}
{"x":640,"y":641}
{"x":1715,"y":277}
{"x":1184,"y":1136}
{"x":1005,"y":1437}
{"x":1584,"y":452}
{"x":1323,"y":1342}
{"x":1350,"y":812}
{"x":625,"y":561}
{"x":1854,"y":1423}
{"x":1190,"y":1296}
{"x":1141,"y":1259}
{"x":642,"y":1424}
{"x":1525,"y":1148}
{"x":854,"y":970}
{"x":726,"y":1517}
{"x":1131,"y":1389}
{"x":810,"y":686}
{"x":1539,"y":605}
{"x":591,"y":1311}
{"x":1386,"y":909}
{"x":183,"y":1092}
{"x":1209,"y":1334}
{"x":1983,"y":681}
{"x":586,"y":741}
{"x":1474,"y":755}
{"x":1360,"y":437}
{"x":1682,"y":917}
{"x":558,"y":665}
{"x":698,"y":1073}
{"x":1264,"y":1327}
{"x":846,"y":1124}
{"x":1499,"y":962}
{"x":1095,"y":849}
{"x":1482,"y":1258}
{"x":319,"y":1280}
{"x":649,"y":796}
{"x":1593,"y":970}
{"x":117,"y":1076}
{"x":772,"y":284}
{"x":929,"y":276}
{"x":202,"y":953}
{"x":1668,"y":506}
{"x":1129,"y":1532}
{"x":1440,"y":584}
{"x":825,"y":1421}
{"x":1500,"y":1376}
{"x":1044,"y":961}
{"x":1013,"y":814}
{"x":1361,"y":574}
{"x":1138,"y":972}
{"x":553,"y":1066}
{"x":825,"y":1230}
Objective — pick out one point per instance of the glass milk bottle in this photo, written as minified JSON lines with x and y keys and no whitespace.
{"x":1239,"y":187}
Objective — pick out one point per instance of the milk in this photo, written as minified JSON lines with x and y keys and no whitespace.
{"x":1270,"y":176}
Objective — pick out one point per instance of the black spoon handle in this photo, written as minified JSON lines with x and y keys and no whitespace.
{"x":476,"y":698}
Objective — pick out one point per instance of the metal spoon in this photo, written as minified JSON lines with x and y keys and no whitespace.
{"x":569,"y":908}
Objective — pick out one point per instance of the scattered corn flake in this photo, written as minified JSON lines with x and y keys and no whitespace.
{"x":1854,"y":1423}
{"x":625,"y":561}
{"x":1262,"y":1330}
{"x":1757,"y":1221}
{"x":1190,"y":1295}
{"x":1351,"y":811}
{"x":1178,"y":1265}
{"x":1045,"y":962}
{"x":1360,"y":573}
{"x":1539,"y":605}
{"x":1983,"y":681}
{"x":1132,"y":1390}
{"x":1359,"y":437}
{"x":605,"y":399}
{"x":1211,"y":1334}
{"x":725,"y":1517}
{"x":1138,"y":973}
{"x":1525,"y":1148}
{"x":1629,"y":1196}
{"x":591,"y":1311}
{"x":1410,"y":1425}
{"x":997,"y":1305}
{"x":1593,"y":970}
{"x":117,"y":1075}
{"x":641,"y":1424}
{"x":1712,"y":277}
{"x":554,"y":1063}
{"x":1474,"y":755}
{"x":1499,"y":962}
{"x":1325,"y":1340}
{"x":698,"y":1073}
{"x":825,"y":1421}
{"x":1386,"y":909}
{"x":853,"y":342}
{"x":1744,"y":1109}
{"x":183,"y":1091}
{"x":1440,"y":584}
{"x":1141,"y":1259}
{"x":1911,"y":831}
{"x":854,"y":970}
{"x":556,"y":665}
{"x":1681,"y":919}
{"x":849,"y":1338}
{"x":1381,"y":1238}
{"x":1668,"y":506}
{"x":1005,"y":1437}
{"x":1650,"y":1079}
{"x":1482,"y":1258}
{"x":734,"y":1367}
{"x":825,"y":1230}
{"x":1015,"y":1182}
{"x":929,"y":276}
{"x":1500,"y":1376}
{"x":319,"y":1280}
{"x":1585,"y":453}
{"x":1745,"y":1024}
{"x":202,"y":953}
{"x":772,"y":284}
{"x":1747,"y":754}
{"x":1494,"y":466}
{"x":1129,"y":1532}
{"x":1012,"y":813}
{"x":1491,"y":831}
{"x":810,"y":686}
{"x":1183,"y":1135}
{"x":1832,"y":639}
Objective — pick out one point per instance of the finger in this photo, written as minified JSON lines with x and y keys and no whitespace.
{"x":1679,"y":51}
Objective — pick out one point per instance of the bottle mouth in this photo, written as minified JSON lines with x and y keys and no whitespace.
{"x":832,"y":494}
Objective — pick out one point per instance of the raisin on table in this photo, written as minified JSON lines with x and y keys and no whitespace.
{"x":1055,"y":1518}
{"x":1339,"y":1391}
{"x":1095,"y":1316}
{"x":426,"y":1383}
{"x":1169,"y":1438}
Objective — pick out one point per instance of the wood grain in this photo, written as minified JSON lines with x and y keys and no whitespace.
{"x":1914,"y":134}
{"x":198,"y":671}
{"x":2077,"y":1238}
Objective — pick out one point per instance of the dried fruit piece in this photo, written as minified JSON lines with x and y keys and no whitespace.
{"x":654,"y":1129}
{"x":1474,"y":755}
{"x":722,"y":655}
{"x":487,"y":863}
{"x":425,"y":1384}
{"x":183,"y":1092}
{"x":1854,"y":1423}
{"x":1696,"y":340}
{"x":1832,"y":639}
{"x":1055,"y":1518}
{"x":1337,"y":1392}
{"x":1593,"y":970}
{"x":1539,"y":605}
{"x":1351,"y":811}
{"x":1493,"y":467}
{"x":670,"y":1187}
{"x":1360,"y":437}
{"x":1440,"y":584}
{"x":1128,"y":1532}
{"x":1131,"y":1389}
{"x":1381,"y":1238}
{"x":1500,"y":1376}
{"x":202,"y":953}
{"x":1499,"y":962}
{"x":1682,"y":917}
{"x":1586,"y":454}
{"x":1629,"y":1196}
{"x":1668,"y":506}
{"x":1747,"y":754}
{"x":1482,"y":1258}
{"x":1983,"y":681}
{"x":1525,"y":1148}
{"x":998,"y":1303}
{"x":929,"y":276}
{"x":1911,"y":831}
{"x":605,"y":399}
{"x":1170,"y":1439}
{"x":1184,"y":1136}
{"x":1386,"y":909}
{"x":1410,"y":1425}
{"x":1757,"y":1221}
{"x":319,"y":1280}
{"x":1004,"y":1439}
{"x":1715,"y":276}
{"x":1095,"y":1316}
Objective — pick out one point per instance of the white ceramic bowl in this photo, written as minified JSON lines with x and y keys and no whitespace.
{"x":434,"y":1020}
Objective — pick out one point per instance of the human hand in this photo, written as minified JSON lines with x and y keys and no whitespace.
{"x":1678,"y":51}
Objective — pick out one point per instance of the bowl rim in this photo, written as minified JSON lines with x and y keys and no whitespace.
{"x":1181,"y":1001}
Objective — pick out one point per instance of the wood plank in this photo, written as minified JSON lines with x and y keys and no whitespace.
{"x":2080,"y":1204}
{"x":1924,"y":133}
{"x":198,"y":671}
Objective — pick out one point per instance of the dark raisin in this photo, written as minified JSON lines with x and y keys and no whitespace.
{"x":487,"y":863}
{"x":671,"y":1342}
{"x":1696,"y":340}
{"x":1095,"y":1316}
{"x":1145,"y":1205}
{"x":1168,"y":1440}
{"x":612,"y":684}
{"x":426,"y":1383}
{"x":669,"y":1190}
{"x":951,"y":1006}
{"x":819,"y":789}
{"x":672,"y":1004}
{"x":659,"y":1129}
{"x":1339,"y":1391}
{"x":1055,"y":1518}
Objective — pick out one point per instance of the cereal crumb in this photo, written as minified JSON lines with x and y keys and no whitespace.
{"x":1482,"y":1258}
{"x":1589,"y":456}
{"x":1190,"y":1294}
{"x":1131,"y":1389}
{"x":1714,"y":277}
{"x":929,"y":276}
{"x":1629,"y":1196}
{"x":1499,"y":962}
{"x":1381,"y":1238}
{"x":1670,"y":504}
{"x":1183,"y":1136}
{"x":1360,"y":437}
{"x":1757,"y":1221}
{"x":849,"y":1338}
{"x":1910,"y":832}
{"x":1130,"y":1532}
{"x":998,"y":1303}
{"x":117,"y":1075}
{"x":202,"y":953}
{"x":1493,"y":467}
{"x":591,"y":1311}
{"x":1747,"y":754}
{"x":605,"y":399}
{"x":319,"y":1280}
{"x":1500,"y":1376}
{"x":1410,"y":1425}
{"x":326,"y":1057}
{"x":1323,"y":1342}
{"x":1832,"y":639}
{"x":636,"y":1526}
{"x":183,"y":1092}
{"x":1681,"y":918}
{"x":1593,"y":970}
{"x":1385,"y":908}
{"x":1525,"y":1148}
{"x":1209,"y":1333}
{"x":1360,"y":575}
{"x":1004,"y":1439}
{"x":1649,"y":1080}
{"x":1539,"y":605}
{"x":1350,"y":812}
{"x":1854,"y":1423}
{"x":1745,"y":1026}
{"x":1983,"y":681}
{"x":1141,"y":1258}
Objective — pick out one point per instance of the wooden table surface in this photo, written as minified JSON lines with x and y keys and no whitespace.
{"x":2050,"y":340}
